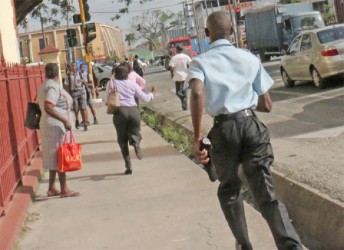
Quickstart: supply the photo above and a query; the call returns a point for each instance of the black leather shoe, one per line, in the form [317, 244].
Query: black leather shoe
[128, 171]
[77, 124]
[184, 104]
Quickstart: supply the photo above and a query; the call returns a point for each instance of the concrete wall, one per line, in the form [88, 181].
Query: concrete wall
[8, 32]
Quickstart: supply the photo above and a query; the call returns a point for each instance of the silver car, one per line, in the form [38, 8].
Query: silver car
[103, 73]
[314, 56]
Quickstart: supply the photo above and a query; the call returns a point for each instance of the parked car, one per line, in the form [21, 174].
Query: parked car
[314, 55]
[103, 73]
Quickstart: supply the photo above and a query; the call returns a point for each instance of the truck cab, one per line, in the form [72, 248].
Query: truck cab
[292, 25]
[270, 29]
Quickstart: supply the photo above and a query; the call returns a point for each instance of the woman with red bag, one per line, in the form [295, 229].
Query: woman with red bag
[56, 120]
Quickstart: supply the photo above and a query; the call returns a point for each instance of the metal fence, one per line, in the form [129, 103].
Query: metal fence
[18, 86]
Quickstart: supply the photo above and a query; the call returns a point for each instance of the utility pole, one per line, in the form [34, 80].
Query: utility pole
[197, 27]
[230, 6]
[70, 49]
[206, 8]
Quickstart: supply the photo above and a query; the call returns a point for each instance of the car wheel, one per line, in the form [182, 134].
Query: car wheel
[103, 83]
[318, 81]
[287, 81]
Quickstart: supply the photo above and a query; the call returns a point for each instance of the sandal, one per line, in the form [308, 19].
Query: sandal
[51, 193]
[69, 194]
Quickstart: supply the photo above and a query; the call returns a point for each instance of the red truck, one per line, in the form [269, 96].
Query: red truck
[185, 42]
[190, 45]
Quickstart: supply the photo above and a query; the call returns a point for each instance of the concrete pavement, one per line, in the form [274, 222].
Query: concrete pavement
[168, 202]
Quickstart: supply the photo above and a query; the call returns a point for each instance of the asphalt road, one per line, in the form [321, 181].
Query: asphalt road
[311, 109]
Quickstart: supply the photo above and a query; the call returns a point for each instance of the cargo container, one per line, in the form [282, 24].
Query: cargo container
[270, 29]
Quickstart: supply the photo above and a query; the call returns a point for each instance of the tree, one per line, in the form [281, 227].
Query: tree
[45, 15]
[22, 10]
[130, 38]
[65, 8]
[151, 24]
[126, 9]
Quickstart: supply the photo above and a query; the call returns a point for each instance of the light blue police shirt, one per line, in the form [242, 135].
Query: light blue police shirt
[233, 78]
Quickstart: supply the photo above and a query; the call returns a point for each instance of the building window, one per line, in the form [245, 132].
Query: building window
[21, 48]
[41, 43]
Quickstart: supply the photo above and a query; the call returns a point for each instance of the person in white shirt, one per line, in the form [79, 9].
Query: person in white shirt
[178, 67]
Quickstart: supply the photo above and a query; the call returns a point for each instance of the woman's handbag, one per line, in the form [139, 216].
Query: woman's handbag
[69, 155]
[113, 101]
[33, 115]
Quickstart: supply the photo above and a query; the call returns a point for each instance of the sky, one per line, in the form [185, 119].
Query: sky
[102, 11]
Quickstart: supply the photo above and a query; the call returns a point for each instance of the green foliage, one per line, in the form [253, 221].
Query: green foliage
[176, 136]
[44, 14]
[126, 9]
[154, 23]
[64, 8]
[113, 58]
[130, 38]
[328, 16]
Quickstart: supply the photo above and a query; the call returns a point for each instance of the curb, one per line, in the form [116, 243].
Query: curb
[318, 218]
[16, 212]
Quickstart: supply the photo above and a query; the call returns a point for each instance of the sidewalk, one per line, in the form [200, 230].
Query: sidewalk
[168, 202]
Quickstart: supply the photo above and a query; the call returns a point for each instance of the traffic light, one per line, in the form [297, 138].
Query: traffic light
[71, 37]
[86, 10]
[237, 14]
[90, 29]
[76, 18]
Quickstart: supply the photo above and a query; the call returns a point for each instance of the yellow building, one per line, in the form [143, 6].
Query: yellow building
[108, 42]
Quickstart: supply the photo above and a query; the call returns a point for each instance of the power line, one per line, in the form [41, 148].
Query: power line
[130, 11]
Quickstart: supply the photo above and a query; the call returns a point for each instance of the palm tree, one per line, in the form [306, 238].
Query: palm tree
[130, 38]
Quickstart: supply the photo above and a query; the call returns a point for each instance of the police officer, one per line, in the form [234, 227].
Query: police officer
[233, 85]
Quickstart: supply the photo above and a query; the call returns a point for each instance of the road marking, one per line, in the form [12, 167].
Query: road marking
[308, 99]
[324, 133]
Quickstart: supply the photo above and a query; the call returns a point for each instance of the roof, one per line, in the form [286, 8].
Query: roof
[49, 49]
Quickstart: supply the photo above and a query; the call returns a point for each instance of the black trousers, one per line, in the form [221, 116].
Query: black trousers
[180, 91]
[127, 122]
[243, 139]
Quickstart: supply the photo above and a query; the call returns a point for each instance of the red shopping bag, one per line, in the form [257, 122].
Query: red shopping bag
[69, 155]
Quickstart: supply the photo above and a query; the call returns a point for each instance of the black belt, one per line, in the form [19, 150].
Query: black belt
[237, 115]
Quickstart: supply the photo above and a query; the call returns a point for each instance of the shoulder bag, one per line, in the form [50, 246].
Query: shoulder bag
[113, 101]
[33, 115]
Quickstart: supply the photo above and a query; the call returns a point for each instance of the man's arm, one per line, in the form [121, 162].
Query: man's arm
[196, 107]
[264, 103]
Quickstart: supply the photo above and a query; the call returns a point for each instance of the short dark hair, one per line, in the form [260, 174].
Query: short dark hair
[126, 64]
[51, 70]
[121, 72]
[179, 48]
